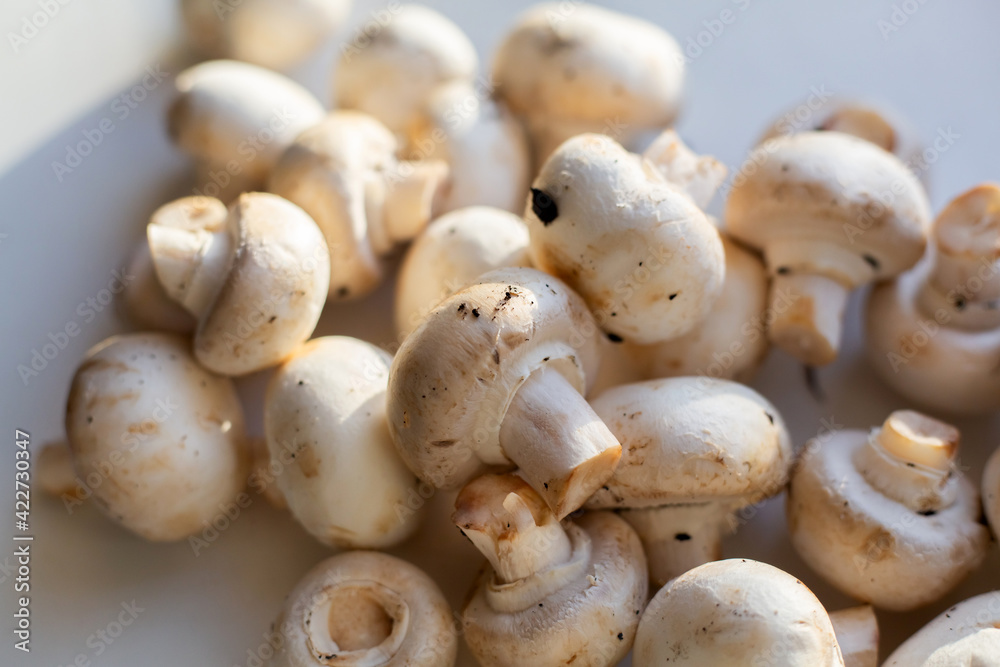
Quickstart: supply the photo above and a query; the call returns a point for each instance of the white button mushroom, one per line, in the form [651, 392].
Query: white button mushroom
[494, 376]
[857, 634]
[967, 634]
[831, 212]
[694, 452]
[158, 439]
[256, 277]
[451, 253]
[933, 334]
[269, 33]
[736, 612]
[991, 492]
[324, 417]
[573, 68]
[144, 302]
[886, 517]
[365, 609]
[638, 249]
[344, 173]
[556, 593]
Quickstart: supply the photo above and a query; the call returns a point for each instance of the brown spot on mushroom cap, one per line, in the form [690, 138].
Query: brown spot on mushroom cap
[307, 460]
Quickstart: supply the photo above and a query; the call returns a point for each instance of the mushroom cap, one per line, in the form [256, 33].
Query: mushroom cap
[451, 253]
[967, 249]
[592, 619]
[736, 612]
[144, 301]
[966, 634]
[454, 377]
[158, 439]
[690, 440]
[366, 608]
[638, 250]
[270, 33]
[871, 546]
[815, 202]
[394, 73]
[991, 492]
[324, 417]
[232, 113]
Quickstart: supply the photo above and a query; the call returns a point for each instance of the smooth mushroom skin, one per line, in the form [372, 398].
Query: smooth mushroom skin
[991, 492]
[966, 634]
[256, 278]
[874, 513]
[324, 417]
[237, 118]
[572, 69]
[736, 612]
[813, 204]
[557, 593]
[495, 376]
[695, 450]
[638, 249]
[145, 303]
[857, 635]
[395, 73]
[344, 173]
[159, 439]
[451, 253]
[364, 608]
[933, 334]
[271, 33]
[484, 145]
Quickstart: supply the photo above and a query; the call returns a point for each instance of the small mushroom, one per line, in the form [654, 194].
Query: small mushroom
[967, 634]
[344, 173]
[736, 612]
[395, 72]
[255, 277]
[361, 609]
[991, 492]
[857, 634]
[494, 377]
[451, 253]
[324, 417]
[569, 69]
[830, 212]
[270, 33]
[695, 451]
[874, 513]
[144, 302]
[638, 249]
[158, 439]
[933, 334]
[555, 593]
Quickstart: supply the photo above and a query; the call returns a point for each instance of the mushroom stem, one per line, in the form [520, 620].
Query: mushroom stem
[857, 634]
[677, 538]
[360, 622]
[563, 449]
[866, 124]
[808, 316]
[411, 195]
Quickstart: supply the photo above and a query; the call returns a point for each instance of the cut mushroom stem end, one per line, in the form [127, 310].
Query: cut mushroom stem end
[413, 197]
[678, 538]
[808, 316]
[857, 634]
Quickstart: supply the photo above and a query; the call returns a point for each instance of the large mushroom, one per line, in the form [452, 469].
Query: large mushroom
[965, 634]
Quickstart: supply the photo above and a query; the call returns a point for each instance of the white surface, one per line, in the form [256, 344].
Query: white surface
[64, 239]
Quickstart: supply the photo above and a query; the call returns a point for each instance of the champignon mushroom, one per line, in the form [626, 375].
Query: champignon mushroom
[875, 513]
[494, 376]
[344, 173]
[694, 452]
[451, 253]
[991, 492]
[237, 119]
[324, 417]
[158, 439]
[395, 72]
[933, 334]
[555, 593]
[145, 303]
[569, 69]
[857, 634]
[363, 608]
[255, 277]
[830, 212]
[270, 33]
[736, 612]
[966, 634]
[638, 249]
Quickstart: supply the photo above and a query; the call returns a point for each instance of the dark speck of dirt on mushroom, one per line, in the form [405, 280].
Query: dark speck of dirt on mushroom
[475, 312]
[770, 417]
[673, 296]
[682, 537]
[621, 637]
[342, 292]
[544, 206]
[615, 338]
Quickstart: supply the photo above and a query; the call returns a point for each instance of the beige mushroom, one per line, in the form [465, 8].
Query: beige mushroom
[933, 334]
[361, 609]
[158, 439]
[991, 492]
[555, 593]
[494, 377]
[255, 277]
[830, 212]
[144, 302]
[886, 517]
[694, 452]
[966, 634]
[344, 173]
